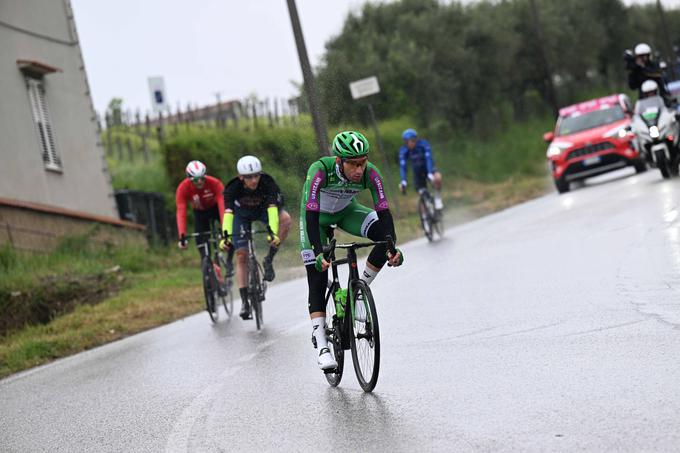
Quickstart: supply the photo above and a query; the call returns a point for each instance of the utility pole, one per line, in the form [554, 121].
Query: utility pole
[308, 76]
[667, 40]
[386, 168]
[547, 73]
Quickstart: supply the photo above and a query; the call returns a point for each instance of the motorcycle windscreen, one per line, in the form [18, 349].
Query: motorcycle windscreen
[649, 109]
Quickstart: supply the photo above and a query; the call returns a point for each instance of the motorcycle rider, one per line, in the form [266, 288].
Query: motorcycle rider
[641, 67]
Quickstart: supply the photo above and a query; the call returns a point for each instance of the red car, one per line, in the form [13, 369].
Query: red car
[592, 138]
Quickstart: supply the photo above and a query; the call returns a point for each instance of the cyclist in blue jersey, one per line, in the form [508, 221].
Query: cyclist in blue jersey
[419, 153]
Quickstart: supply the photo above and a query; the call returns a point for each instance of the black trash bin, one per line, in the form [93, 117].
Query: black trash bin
[147, 208]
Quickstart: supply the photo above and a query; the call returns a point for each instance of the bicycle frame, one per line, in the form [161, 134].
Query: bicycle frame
[351, 260]
[257, 286]
[212, 278]
[425, 195]
[248, 236]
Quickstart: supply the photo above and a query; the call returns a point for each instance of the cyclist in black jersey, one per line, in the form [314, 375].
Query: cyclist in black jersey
[252, 195]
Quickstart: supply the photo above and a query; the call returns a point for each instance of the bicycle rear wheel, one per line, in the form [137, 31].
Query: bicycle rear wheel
[364, 336]
[425, 218]
[209, 288]
[333, 332]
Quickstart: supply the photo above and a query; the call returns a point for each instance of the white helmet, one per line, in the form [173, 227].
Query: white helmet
[248, 165]
[648, 86]
[642, 49]
[196, 169]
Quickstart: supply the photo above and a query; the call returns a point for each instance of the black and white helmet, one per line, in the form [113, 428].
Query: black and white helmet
[249, 165]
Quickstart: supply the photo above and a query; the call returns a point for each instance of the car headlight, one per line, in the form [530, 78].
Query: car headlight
[555, 149]
[617, 131]
[654, 132]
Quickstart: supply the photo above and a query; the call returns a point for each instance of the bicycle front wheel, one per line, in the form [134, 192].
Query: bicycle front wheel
[439, 224]
[364, 336]
[209, 288]
[228, 299]
[255, 291]
[226, 287]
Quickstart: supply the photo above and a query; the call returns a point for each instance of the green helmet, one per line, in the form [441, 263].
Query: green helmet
[350, 144]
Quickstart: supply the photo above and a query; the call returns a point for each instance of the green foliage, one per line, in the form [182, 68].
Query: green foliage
[285, 152]
[8, 257]
[77, 255]
[482, 63]
[115, 110]
[517, 151]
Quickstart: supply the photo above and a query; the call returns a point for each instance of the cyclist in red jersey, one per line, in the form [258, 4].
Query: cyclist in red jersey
[204, 193]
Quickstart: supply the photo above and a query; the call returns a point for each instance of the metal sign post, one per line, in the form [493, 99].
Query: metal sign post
[361, 89]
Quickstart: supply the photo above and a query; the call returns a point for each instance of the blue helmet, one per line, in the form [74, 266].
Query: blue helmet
[409, 134]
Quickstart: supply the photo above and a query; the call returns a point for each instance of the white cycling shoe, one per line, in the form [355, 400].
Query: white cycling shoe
[438, 204]
[326, 360]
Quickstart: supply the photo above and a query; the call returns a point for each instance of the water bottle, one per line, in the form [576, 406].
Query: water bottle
[340, 300]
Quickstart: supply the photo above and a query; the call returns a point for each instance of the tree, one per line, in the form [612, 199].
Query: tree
[115, 111]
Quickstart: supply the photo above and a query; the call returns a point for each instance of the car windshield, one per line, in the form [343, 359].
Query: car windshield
[581, 122]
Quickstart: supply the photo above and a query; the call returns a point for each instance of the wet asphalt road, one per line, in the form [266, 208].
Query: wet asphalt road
[551, 326]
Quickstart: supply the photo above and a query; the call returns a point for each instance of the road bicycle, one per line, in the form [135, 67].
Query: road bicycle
[430, 219]
[217, 285]
[352, 319]
[257, 286]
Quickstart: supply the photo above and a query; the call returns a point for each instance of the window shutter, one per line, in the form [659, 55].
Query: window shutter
[43, 122]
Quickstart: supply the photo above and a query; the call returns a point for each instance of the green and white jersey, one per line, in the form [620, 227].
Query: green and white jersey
[326, 190]
[331, 195]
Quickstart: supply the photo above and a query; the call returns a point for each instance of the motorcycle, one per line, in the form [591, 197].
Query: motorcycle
[657, 135]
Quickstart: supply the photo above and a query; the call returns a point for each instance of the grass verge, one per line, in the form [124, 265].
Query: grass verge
[153, 299]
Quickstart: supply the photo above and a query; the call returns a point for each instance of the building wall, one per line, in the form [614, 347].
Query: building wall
[47, 34]
[29, 229]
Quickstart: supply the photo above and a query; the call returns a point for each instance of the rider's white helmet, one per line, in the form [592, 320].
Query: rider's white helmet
[648, 86]
[642, 49]
[248, 165]
[196, 169]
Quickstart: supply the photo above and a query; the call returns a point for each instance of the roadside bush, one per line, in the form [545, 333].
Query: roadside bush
[8, 257]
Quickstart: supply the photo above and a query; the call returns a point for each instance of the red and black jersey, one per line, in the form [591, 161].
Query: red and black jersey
[200, 199]
[266, 194]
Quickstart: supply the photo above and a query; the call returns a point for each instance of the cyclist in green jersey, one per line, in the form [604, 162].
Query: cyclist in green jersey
[328, 198]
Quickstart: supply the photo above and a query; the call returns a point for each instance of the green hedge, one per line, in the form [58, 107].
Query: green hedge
[285, 152]
[514, 151]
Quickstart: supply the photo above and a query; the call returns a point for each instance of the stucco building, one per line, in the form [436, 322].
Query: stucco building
[50, 152]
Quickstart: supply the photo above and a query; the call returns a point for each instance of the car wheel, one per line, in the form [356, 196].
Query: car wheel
[562, 185]
[640, 165]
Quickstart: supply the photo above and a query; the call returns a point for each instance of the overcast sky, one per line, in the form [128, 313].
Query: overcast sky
[234, 47]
